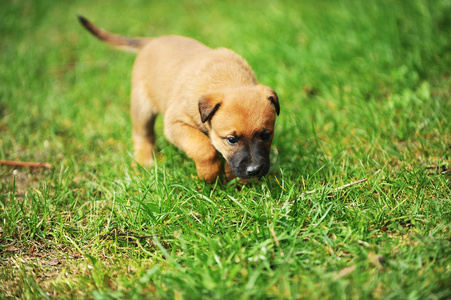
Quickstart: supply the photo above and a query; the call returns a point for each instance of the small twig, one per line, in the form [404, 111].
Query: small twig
[352, 183]
[335, 189]
[338, 188]
[273, 233]
[349, 184]
[25, 164]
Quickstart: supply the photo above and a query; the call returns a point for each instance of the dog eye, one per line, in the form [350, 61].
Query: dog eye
[265, 136]
[232, 140]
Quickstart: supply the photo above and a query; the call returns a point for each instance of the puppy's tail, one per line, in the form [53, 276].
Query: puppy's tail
[118, 41]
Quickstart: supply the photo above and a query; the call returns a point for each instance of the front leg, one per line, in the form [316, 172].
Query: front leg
[196, 145]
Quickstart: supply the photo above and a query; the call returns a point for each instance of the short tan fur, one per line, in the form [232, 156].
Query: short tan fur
[210, 99]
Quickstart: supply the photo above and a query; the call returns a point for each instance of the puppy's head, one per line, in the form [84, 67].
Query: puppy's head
[242, 126]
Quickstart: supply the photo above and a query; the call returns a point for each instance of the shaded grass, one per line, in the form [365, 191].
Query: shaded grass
[364, 90]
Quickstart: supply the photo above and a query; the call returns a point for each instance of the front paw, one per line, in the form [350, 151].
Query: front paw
[208, 170]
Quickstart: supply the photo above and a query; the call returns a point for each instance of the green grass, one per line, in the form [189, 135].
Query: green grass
[365, 92]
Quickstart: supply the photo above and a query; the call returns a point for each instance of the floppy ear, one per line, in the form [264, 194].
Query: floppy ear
[275, 101]
[208, 105]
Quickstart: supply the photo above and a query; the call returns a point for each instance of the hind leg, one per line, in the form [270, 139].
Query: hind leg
[143, 119]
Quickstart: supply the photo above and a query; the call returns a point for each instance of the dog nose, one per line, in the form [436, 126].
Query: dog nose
[253, 170]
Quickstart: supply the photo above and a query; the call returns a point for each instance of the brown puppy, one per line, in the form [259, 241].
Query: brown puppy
[210, 99]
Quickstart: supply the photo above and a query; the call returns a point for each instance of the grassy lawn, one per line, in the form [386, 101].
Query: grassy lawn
[365, 93]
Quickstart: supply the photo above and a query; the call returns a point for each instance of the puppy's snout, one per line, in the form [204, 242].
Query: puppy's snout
[253, 170]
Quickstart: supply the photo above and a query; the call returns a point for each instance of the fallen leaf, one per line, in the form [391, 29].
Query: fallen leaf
[345, 271]
[11, 248]
[53, 262]
[75, 255]
[32, 249]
